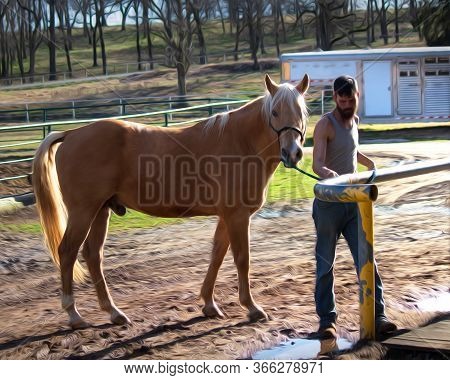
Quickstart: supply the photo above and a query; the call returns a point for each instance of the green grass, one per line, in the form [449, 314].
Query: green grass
[289, 185]
[30, 227]
[133, 220]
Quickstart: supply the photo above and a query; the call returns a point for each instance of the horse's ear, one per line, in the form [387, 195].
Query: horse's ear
[271, 86]
[303, 86]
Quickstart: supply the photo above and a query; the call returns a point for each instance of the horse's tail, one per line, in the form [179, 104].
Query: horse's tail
[51, 208]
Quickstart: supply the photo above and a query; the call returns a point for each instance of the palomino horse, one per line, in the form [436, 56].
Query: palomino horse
[220, 166]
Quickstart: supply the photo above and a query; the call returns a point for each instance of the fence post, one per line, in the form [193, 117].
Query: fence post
[166, 121]
[322, 97]
[73, 110]
[27, 113]
[366, 270]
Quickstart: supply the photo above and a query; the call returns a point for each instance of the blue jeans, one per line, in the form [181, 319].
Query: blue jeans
[331, 220]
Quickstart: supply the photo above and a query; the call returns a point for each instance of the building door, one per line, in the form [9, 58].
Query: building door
[377, 88]
[409, 96]
[437, 86]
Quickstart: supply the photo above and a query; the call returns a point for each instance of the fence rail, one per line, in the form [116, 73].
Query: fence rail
[361, 188]
[65, 110]
[162, 118]
[319, 101]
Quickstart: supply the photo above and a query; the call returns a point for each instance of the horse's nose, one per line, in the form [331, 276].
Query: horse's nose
[285, 157]
[290, 159]
[298, 155]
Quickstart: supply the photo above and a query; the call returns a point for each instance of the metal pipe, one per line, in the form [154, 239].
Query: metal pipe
[387, 174]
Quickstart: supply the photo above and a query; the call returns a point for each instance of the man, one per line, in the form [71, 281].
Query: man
[336, 153]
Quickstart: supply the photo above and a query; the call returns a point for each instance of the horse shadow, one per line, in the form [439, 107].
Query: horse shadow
[35, 338]
[145, 350]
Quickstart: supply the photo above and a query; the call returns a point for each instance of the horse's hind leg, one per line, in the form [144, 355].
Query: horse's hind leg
[93, 255]
[220, 248]
[76, 231]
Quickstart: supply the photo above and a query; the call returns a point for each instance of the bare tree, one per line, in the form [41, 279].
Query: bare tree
[383, 21]
[176, 19]
[15, 21]
[136, 6]
[99, 17]
[222, 19]
[124, 8]
[52, 39]
[34, 9]
[62, 9]
[196, 7]
[4, 72]
[148, 30]
[251, 14]
[277, 14]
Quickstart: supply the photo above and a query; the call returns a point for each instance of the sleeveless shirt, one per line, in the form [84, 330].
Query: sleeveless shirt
[341, 155]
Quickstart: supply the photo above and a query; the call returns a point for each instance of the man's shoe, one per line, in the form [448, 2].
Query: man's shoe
[327, 331]
[384, 326]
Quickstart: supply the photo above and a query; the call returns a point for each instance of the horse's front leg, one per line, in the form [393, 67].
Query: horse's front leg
[238, 228]
[220, 247]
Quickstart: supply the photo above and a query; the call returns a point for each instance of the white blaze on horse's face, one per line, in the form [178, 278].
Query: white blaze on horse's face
[288, 118]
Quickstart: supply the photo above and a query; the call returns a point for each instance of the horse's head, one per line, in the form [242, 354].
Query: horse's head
[286, 113]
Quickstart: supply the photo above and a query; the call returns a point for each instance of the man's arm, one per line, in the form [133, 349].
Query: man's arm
[366, 161]
[321, 135]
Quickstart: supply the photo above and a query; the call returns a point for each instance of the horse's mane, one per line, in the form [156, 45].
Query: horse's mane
[286, 93]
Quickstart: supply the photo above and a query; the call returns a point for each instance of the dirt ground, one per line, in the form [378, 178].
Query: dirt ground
[155, 277]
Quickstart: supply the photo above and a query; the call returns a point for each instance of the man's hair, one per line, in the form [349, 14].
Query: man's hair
[345, 85]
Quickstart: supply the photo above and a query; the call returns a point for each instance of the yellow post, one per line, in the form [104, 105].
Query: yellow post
[366, 271]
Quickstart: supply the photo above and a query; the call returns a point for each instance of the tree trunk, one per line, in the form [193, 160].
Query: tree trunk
[181, 73]
[219, 7]
[259, 26]
[124, 11]
[275, 25]
[100, 13]
[383, 23]
[94, 46]
[283, 26]
[66, 40]
[138, 35]
[397, 33]
[52, 41]
[148, 30]
[68, 25]
[236, 41]
[201, 38]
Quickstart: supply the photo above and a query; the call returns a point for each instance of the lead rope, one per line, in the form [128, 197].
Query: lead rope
[370, 180]
[306, 173]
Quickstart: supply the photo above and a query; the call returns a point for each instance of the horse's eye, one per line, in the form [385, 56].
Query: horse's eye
[274, 113]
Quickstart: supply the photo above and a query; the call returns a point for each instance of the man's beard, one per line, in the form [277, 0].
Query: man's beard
[346, 114]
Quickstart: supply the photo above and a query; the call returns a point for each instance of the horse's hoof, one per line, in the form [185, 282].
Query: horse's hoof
[78, 324]
[119, 318]
[212, 311]
[258, 315]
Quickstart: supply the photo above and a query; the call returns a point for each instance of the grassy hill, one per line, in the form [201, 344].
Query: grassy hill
[218, 77]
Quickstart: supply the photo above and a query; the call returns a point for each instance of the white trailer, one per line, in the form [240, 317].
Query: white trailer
[395, 84]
